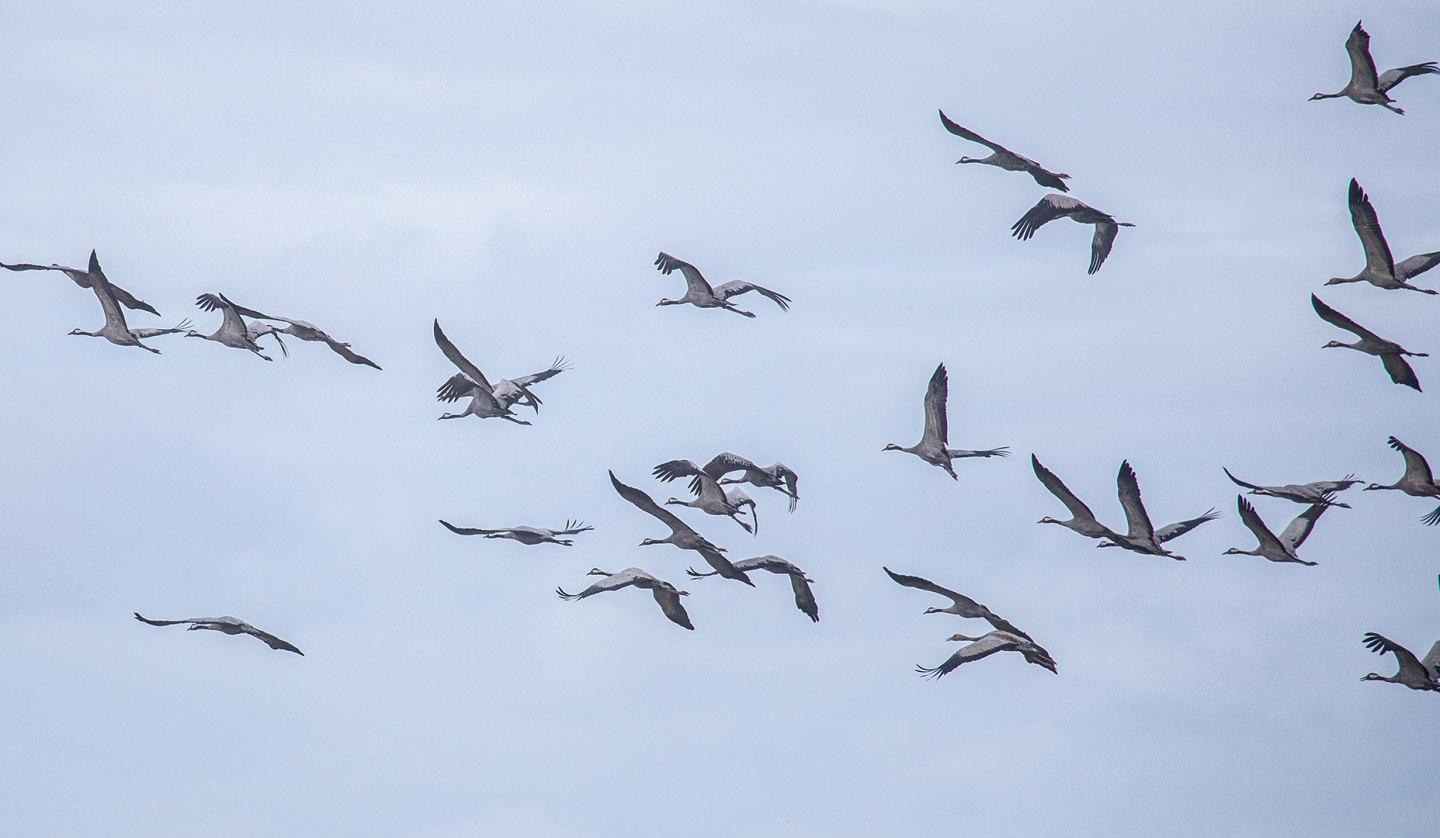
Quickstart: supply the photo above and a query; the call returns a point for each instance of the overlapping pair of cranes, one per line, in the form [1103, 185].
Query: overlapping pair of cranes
[1366, 86]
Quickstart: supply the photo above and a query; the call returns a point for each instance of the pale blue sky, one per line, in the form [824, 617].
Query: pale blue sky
[514, 171]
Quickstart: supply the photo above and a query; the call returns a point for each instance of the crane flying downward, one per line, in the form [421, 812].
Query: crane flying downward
[1003, 158]
[932, 445]
[1365, 86]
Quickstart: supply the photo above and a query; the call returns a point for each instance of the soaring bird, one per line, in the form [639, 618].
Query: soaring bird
[681, 535]
[1417, 481]
[931, 447]
[82, 278]
[1282, 548]
[298, 329]
[234, 332]
[1365, 86]
[666, 595]
[1054, 206]
[1391, 354]
[1004, 158]
[1316, 492]
[709, 496]
[526, 535]
[699, 293]
[1414, 673]
[483, 402]
[799, 582]
[960, 605]
[986, 645]
[115, 329]
[226, 625]
[1380, 268]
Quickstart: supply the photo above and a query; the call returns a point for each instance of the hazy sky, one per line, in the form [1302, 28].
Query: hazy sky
[513, 172]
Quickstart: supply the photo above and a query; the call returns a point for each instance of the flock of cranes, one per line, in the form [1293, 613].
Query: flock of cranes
[244, 328]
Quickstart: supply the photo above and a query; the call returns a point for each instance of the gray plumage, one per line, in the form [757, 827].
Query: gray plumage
[226, 625]
[666, 595]
[933, 441]
[777, 476]
[298, 329]
[1003, 158]
[1417, 481]
[115, 330]
[1319, 491]
[507, 391]
[799, 582]
[1081, 520]
[1391, 354]
[526, 535]
[1055, 206]
[483, 402]
[986, 645]
[681, 535]
[1281, 548]
[698, 292]
[960, 605]
[1365, 86]
[1380, 269]
[710, 498]
[82, 279]
[1140, 537]
[234, 332]
[1414, 673]
[1170, 532]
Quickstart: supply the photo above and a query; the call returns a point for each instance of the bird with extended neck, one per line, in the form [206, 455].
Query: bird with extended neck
[1365, 85]
[1417, 481]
